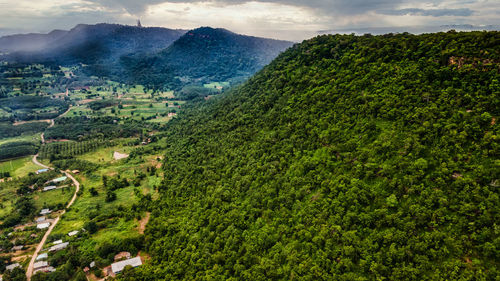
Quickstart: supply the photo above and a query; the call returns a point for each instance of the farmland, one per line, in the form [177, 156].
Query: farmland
[86, 123]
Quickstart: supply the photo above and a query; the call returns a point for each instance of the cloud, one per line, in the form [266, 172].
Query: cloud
[286, 19]
[350, 7]
[463, 12]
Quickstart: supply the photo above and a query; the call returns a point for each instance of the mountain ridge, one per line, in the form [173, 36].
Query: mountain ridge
[346, 158]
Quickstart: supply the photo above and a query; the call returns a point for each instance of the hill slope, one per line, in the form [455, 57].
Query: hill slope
[347, 158]
[205, 55]
[89, 44]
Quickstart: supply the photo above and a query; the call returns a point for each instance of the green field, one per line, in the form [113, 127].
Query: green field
[88, 205]
[18, 167]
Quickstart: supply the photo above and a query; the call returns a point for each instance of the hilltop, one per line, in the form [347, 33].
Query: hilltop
[158, 57]
[348, 157]
[204, 55]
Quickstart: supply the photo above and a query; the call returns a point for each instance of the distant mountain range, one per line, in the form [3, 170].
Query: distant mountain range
[159, 57]
[87, 43]
[411, 29]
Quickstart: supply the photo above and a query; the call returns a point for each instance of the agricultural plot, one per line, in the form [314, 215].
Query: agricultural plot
[18, 167]
[109, 220]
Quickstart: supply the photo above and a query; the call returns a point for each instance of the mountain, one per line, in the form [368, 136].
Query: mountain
[29, 42]
[205, 55]
[347, 158]
[89, 44]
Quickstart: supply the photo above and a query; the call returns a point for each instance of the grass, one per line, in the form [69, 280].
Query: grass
[86, 204]
[105, 154]
[53, 197]
[19, 167]
[216, 84]
[35, 137]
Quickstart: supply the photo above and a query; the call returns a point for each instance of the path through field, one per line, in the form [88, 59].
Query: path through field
[29, 270]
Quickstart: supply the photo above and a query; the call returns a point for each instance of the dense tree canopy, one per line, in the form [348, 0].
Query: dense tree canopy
[347, 158]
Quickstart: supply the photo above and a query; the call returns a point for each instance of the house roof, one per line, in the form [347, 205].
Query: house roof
[40, 264]
[57, 242]
[59, 247]
[117, 267]
[42, 256]
[40, 219]
[43, 225]
[45, 269]
[45, 211]
[50, 187]
[12, 266]
[63, 178]
[73, 233]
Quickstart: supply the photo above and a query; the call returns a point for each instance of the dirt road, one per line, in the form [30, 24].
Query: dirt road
[29, 270]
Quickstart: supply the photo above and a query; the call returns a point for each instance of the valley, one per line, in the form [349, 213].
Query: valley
[209, 155]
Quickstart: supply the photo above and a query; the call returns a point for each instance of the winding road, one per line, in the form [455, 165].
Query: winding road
[29, 270]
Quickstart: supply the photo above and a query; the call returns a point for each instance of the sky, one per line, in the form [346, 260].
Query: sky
[283, 19]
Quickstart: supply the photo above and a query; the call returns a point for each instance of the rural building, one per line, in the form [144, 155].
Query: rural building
[122, 256]
[73, 233]
[118, 267]
[60, 179]
[45, 212]
[40, 219]
[12, 266]
[17, 248]
[92, 264]
[42, 257]
[75, 172]
[46, 269]
[58, 247]
[43, 225]
[41, 171]
[50, 187]
[57, 242]
[40, 264]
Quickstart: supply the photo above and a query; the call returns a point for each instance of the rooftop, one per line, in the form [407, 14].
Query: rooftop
[43, 225]
[45, 211]
[60, 179]
[12, 266]
[117, 267]
[42, 256]
[58, 247]
[40, 264]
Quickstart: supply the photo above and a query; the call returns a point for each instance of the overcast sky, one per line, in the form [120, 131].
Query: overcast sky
[285, 19]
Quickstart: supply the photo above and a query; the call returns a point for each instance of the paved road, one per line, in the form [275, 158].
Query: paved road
[29, 270]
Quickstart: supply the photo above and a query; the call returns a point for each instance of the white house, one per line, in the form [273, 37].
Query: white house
[73, 233]
[118, 267]
[45, 212]
[40, 219]
[40, 264]
[43, 256]
[58, 247]
[12, 266]
[43, 225]
[50, 187]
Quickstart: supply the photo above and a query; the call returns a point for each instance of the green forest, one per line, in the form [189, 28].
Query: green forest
[347, 158]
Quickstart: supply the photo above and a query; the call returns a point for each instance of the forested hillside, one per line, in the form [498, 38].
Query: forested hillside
[203, 55]
[347, 158]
